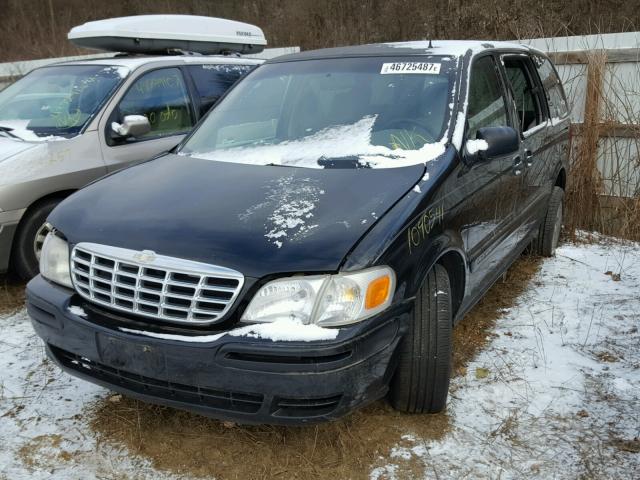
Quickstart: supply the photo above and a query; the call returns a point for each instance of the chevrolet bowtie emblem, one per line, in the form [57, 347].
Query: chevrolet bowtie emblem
[145, 256]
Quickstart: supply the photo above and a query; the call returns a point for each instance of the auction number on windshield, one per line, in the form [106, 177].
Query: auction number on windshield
[410, 67]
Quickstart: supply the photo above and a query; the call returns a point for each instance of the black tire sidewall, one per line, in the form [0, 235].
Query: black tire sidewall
[421, 380]
[547, 228]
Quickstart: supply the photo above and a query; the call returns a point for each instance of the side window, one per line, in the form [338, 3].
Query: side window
[525, 92]
[161, 96]
[487, 107]
[556, 99]
[212, 81]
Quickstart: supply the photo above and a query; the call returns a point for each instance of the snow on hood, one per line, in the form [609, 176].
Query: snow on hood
[19, 129]
[341, 141]
[292, 202]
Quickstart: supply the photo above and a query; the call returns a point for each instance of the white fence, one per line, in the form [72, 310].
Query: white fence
[601, 74]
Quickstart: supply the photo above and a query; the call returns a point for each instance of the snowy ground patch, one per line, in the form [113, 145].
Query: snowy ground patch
[557, 393]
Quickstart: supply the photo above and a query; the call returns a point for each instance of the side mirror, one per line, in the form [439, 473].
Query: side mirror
[131, 126]
[491, 142]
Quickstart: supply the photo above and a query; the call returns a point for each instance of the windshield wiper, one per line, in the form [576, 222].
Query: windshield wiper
[8, 130]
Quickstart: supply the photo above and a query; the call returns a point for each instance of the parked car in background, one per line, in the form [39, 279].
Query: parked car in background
[65, 125]
[311, 245]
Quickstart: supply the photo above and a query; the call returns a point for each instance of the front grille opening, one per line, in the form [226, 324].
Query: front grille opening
[222, 282]
[306, 407]
[287, 359]
[102, 286]
[124, 303]
[175, 313]
[126, 280]
[125, 267]
[101, 296]
[127, 292]
[105, 262]
[83, 255]
[184, 278]
[204, 316]
[82, 267]
[178, 302]
[214, 307]
[148, 308]
[102, 274]
[154, 273]
[219, 399]
[151, 285]
[149, 297]
[208, 294]
[181, 290]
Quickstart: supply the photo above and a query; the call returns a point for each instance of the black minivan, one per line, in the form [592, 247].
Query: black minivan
[310, 246]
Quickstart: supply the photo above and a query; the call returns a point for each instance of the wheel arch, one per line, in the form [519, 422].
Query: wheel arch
[561, 179]
[60, 195]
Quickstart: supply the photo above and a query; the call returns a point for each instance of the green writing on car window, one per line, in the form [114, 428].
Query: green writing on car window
[152, 84]
[420, 230]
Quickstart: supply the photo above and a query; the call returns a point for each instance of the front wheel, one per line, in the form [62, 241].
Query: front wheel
[28, 242]
[421, 381]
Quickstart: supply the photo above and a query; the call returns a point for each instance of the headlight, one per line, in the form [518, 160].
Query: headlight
[54, 260]
[326, 300]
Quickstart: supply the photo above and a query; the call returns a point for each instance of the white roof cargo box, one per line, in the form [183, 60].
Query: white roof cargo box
[158, 34]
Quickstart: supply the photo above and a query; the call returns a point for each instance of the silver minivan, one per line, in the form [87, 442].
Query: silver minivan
[65, 125]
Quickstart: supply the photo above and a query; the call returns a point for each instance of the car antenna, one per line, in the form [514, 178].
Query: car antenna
[430, 44]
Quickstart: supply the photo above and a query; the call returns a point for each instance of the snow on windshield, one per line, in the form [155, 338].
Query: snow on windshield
[341, 141]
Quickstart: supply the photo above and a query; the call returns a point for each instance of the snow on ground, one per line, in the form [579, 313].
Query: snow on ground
[554, 395]
[557, 392]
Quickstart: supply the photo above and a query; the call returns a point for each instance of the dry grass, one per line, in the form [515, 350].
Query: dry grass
[185, 443]
[11, 295]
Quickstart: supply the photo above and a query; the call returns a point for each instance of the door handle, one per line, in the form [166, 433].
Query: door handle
[517, 166]
[528, 155]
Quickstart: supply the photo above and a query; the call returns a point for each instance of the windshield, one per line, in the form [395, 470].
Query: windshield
[56, 102]
[376, 112]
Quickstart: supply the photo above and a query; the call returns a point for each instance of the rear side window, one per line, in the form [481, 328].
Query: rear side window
[553, 88]
[212, 81]
[525, 91]
[487, 107]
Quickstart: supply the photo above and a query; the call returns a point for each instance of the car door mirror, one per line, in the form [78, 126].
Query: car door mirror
[131, 126]
[491, 142]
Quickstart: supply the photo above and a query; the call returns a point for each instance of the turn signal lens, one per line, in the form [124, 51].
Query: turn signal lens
[377, 292]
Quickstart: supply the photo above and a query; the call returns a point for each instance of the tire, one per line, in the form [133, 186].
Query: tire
[421, 381]
[24, 257]
[551, 225]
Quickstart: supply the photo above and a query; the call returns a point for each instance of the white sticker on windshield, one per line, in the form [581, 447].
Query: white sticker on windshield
[410, 67]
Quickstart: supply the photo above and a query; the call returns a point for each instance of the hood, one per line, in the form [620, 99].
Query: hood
[10, 147]
[259, 220]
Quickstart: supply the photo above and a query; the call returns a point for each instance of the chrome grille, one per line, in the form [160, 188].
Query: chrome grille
[155, 286]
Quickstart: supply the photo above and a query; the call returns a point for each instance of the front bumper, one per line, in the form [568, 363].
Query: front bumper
[242, 379]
